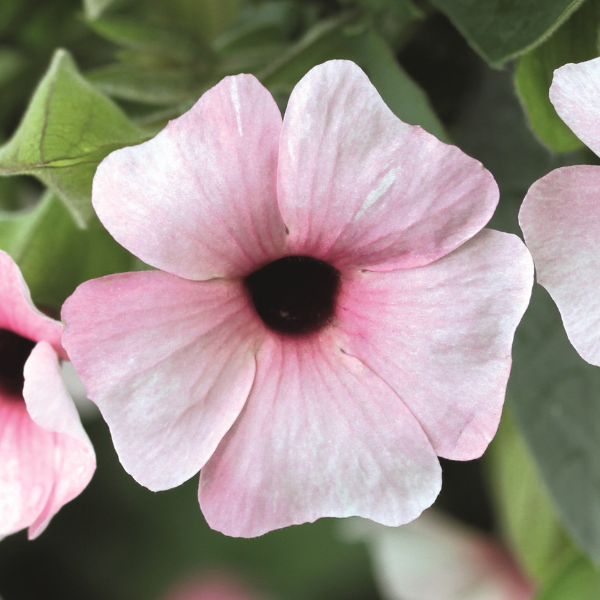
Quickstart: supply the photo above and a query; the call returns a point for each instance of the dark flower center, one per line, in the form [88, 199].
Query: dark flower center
[294, 295]
[14, 351]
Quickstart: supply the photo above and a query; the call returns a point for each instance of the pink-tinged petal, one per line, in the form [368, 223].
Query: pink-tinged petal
[199, 199]
[436, 558]
[217, 588]
[560, 219]
[70, 458]
[320, 436]
[574, 92]
[358, 187]
[168, 361]
[26, 467]
[441, 336]
[17, 312]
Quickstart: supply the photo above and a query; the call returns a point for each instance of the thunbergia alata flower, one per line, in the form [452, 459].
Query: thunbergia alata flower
[560, 216]
[46, 458]
[328, 318]
[437, 558]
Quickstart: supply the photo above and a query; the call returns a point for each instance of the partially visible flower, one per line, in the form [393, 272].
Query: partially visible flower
[560, 216]
[46, 458]
[330, 316]
[215, 588]
[437, 558]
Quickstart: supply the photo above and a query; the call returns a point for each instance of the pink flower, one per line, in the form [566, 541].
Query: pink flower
[560, 215]
[329, 316]
[46, 458]
[216, 588]
[437, 558]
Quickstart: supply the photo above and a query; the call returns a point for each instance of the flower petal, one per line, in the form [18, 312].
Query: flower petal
[560, 218]
[441, 336]
[70, 458]
[17, 312]
[358, 187]
[436, 558]
[168, 361]
[215, 588]
[321, 435]
[574, 92]
[26, 467]
[199, 199]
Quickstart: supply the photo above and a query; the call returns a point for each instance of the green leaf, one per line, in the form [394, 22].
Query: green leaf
[96, 8]
[148, 38]
[577, 579]
[69, 127]
[555, 397]
[148, 86]
[55, 255]
[503, 29]
[528, 519]
[266, 24]
[403, 8]
[257, 39]
[204, 18]
[349, 37]
[574, 42]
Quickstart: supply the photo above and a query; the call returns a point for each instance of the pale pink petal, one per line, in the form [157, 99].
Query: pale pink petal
[441, 336]
[320, 436]
[217, 588]
[574, 92]
[358, 187]
[70, 459]
[168, 361]
[17, 312]
[199, 199]
[436, 558]
[560, 218]
[26, 467]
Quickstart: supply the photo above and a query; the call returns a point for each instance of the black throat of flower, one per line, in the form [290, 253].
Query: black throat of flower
[295, 295]
[14, 352]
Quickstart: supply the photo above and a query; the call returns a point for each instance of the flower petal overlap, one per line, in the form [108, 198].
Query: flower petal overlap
[344, 418]
[46, 458]
[312, 440]
[200, 197]
[359, 188]
[178, 364]
[417, 329]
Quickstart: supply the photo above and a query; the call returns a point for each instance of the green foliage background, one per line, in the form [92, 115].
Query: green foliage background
[78, 81]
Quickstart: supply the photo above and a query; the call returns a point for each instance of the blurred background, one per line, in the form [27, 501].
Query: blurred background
[473, 75]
